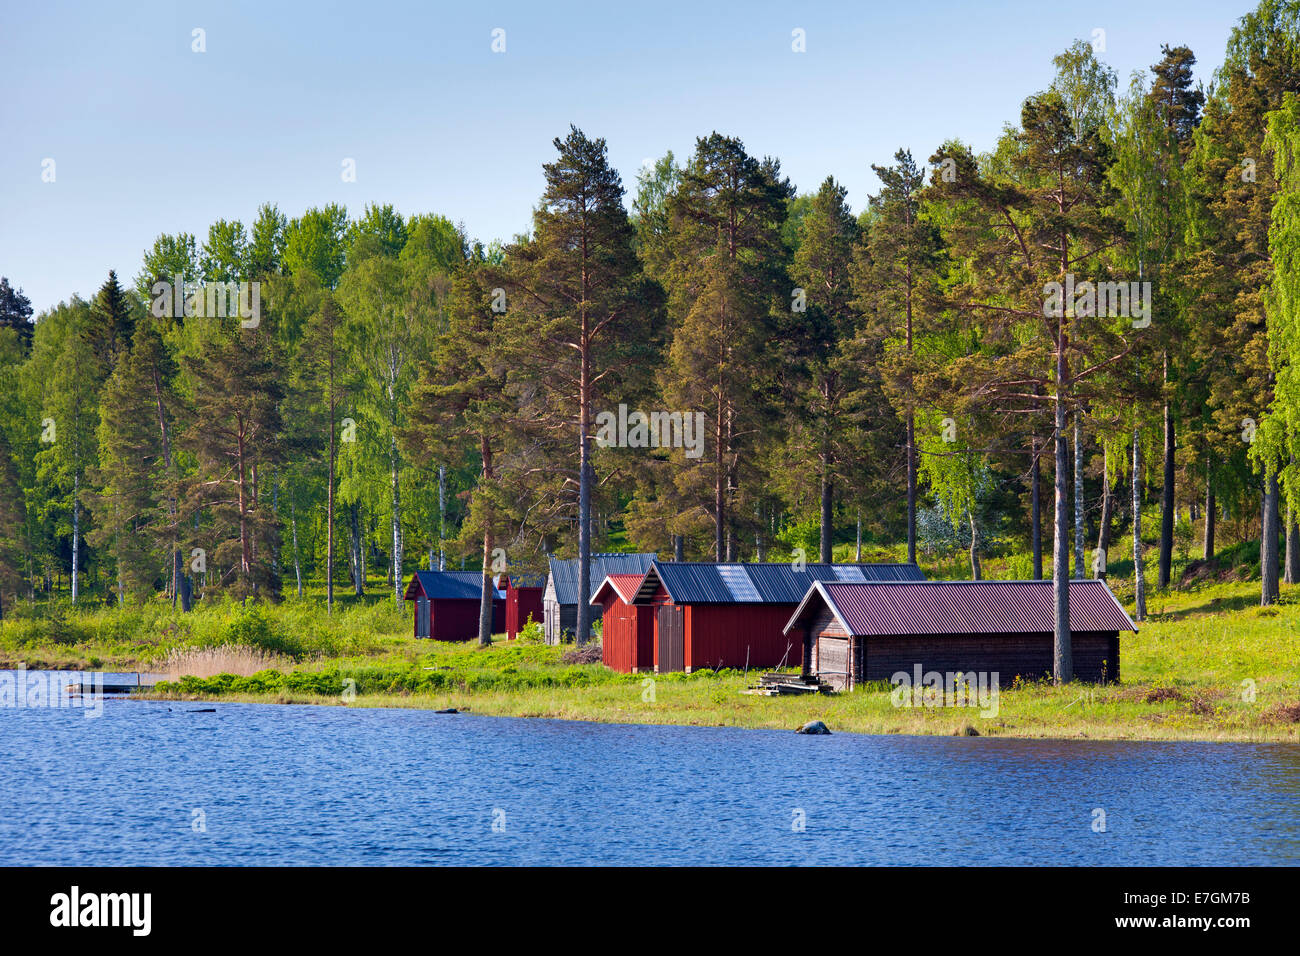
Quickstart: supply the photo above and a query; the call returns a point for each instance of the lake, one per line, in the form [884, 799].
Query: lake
[160, 783]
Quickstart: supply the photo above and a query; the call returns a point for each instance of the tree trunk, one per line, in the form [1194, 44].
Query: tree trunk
[857, 553]
[679, 548]
[1062, 651]
[1211, 508]
[1139, 573]
[975, 573]
[1107, 514]
[1268, 557]
[297, 564]
[1079, 532]
[583, 623]
[76, 532]
[911, 489]
[329, 506]
[828, 503]
[395, 465]
[442, 517]
[1167, 500]
[1036, 513]
[489, 588]
[358, 558]
[1292, 567]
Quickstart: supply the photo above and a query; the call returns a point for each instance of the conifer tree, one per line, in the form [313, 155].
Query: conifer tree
[237, 388]
[730, 300]
[897, 281]
[579, 317]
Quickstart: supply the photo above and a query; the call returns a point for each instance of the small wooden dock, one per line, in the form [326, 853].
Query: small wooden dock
[108, 687]
[776, 684]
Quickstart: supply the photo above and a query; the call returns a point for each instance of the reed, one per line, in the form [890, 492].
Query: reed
[240, 660]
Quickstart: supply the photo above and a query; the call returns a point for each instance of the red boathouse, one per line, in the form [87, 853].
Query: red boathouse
[523, 596]
[709, 614]
[627, 636]
[447, 605]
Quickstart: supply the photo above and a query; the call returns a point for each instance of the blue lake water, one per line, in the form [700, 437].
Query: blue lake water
[331, 785]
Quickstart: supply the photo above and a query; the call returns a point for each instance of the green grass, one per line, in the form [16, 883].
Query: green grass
[1209, 664]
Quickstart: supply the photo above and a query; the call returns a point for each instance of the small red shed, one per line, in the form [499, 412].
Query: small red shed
[523, 600]
[628, 633]
[710, 614]
[447, 604]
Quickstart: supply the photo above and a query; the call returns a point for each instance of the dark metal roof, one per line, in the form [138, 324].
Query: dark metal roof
[528, 580]
[564, 573]
[712, 582]
[449, 585]
[966, 607]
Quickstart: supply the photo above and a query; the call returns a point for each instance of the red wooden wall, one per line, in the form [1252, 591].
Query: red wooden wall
[731, 635]
[520, 602]
[627, 639]
[722, 635]
[457, 620]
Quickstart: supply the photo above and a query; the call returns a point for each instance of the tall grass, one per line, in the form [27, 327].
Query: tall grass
[226, 659]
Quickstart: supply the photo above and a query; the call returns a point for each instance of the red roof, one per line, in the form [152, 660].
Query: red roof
[966, 607]
[625, 586]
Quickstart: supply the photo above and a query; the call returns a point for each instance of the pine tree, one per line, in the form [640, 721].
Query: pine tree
[729, 299]
[1048, 217]
[111, 324]
[579, 318]
[1234, 188]
[12, 528]
[460, 405]
[15, 311]
[897, 281]
[234, 438]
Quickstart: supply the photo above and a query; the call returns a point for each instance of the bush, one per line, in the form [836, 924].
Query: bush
[532, 632]
[252, 628]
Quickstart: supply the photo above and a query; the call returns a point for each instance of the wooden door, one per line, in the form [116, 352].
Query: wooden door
[833, 661]
[422, 617]
[672, 638]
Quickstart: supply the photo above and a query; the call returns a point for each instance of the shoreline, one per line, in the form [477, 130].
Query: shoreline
[920, 722]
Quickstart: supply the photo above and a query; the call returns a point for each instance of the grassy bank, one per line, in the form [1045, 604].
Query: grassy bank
[1209, 665]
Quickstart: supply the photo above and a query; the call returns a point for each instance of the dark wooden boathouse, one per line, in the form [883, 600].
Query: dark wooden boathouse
[712, 614]
[447, 604]
[851, 633]
[627, 629]
[560, 602]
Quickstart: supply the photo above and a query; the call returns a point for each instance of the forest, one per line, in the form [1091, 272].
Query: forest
[1075, 348]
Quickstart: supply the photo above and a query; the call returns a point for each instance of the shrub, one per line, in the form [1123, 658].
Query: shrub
[252, 628]
[532, 632]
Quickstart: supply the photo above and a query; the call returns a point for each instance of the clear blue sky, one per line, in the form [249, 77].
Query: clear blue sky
[150, 137]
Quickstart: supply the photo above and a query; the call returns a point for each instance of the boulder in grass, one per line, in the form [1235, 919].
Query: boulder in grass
[813, 727]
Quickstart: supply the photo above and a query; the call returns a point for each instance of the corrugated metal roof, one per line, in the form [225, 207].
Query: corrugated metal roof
[528, 580]
[564, 573]
[624, 586]
[450, 585]
[970, 607]
[707, 582]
